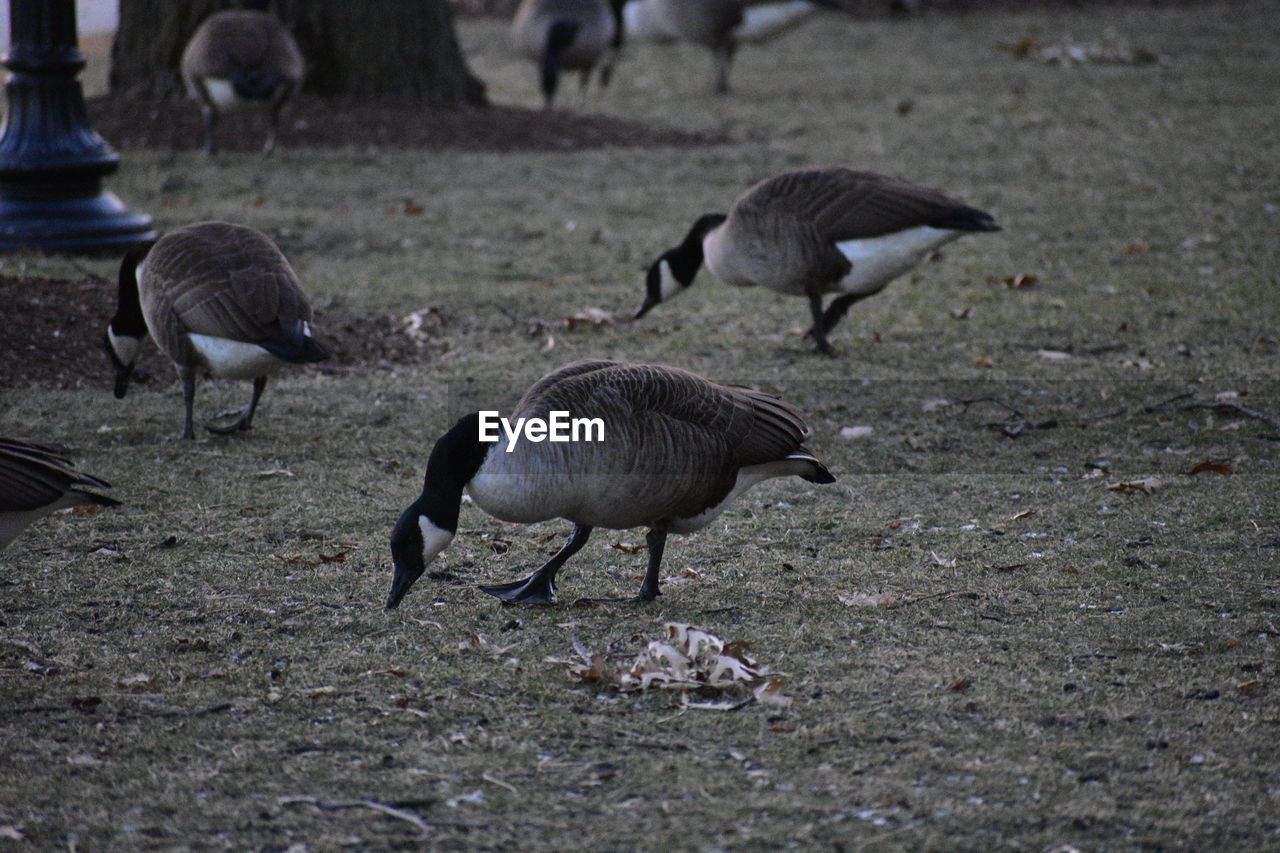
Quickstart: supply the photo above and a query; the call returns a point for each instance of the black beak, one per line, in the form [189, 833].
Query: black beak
[649, 302]
[407, 574]
[123, 372]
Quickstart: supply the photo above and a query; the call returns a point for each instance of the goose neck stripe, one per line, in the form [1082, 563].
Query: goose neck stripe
[558, 426]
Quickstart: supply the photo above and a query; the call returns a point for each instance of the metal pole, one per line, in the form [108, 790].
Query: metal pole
[51, 161]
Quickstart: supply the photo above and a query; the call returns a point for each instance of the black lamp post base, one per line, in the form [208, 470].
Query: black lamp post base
[98, 223]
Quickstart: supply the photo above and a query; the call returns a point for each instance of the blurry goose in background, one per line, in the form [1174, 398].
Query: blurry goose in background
[677, 449]
[243, 59]
[816, 231]
[216, 296]
[720, 25]
[37, 479]
[568, 35]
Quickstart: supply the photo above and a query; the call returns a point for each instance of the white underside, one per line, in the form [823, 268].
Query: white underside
[515, 487]
[761, 23]
[233, 359]
[878, 260]
[644, 23]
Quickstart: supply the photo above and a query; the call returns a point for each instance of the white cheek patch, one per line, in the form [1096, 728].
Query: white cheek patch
[668, 284]
[434, 539]
[126, 347]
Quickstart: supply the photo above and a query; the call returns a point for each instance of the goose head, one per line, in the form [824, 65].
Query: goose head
[128, 327]
[429, 524]
[676, 268]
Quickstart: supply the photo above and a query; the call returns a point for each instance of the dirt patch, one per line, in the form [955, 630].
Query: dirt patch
[131, 122]
[53, 337]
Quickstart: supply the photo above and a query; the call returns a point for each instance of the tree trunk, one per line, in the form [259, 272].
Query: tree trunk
[373, 49]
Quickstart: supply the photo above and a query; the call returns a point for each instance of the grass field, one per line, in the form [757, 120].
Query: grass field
[1015, 622]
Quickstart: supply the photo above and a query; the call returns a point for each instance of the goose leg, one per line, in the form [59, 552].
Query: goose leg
[819, 329]
[723, 56]
[838, 308]
[540, 587]
[246, 414]
[657, 541]
[187, 376]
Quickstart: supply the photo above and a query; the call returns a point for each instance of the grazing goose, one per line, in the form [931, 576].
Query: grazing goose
[816, 231]
[719, 25]
[217, 296]
[37, 479]
[242, 59]
[568, 34]
[677, 449]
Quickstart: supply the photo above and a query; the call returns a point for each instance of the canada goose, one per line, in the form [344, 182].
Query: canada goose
[816, 231]
[37, 479]
[242, 59]
[676, 450]
[719, 25]
[568, 34]
[217, 296]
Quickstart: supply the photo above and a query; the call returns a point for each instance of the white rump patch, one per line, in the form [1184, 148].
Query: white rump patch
[234, 359]
[878, 260]
[223, 94]
[434, 539]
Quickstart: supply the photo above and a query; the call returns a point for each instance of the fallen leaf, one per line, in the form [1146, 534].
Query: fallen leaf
[340, 557]
[984, 361]
[1071, 568]
[317, 692]
[1009, 568]
[855, 432]
[1223, 468]
[959, 684]
[1137, 248]
[1147, 486]
[1026, 513]
[589, 317]
[628, 547]
[411, 207]
[770, 693]
[1248, 686]
[93, 509]
[1053, 354]
[1021, 281]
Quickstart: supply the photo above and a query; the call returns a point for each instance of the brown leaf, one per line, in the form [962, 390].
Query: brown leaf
[959, 684]
[411, 207]
[1223, 468]
[1071, 568]
[94, 509]
[984, 361]
[1021, 281]
[1137, 248]
[1026, 513]
[1147, 486]
[1010, 568]
[1248, 686]
[628, 547]
[340, 557]
[296, 558]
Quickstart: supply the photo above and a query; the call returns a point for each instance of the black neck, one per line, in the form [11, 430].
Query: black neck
[455, 459]
[128, 319]
[686, 258]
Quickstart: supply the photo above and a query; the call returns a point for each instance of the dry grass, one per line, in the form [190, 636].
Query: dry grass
[1056, 663]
